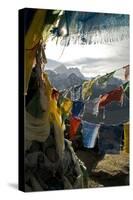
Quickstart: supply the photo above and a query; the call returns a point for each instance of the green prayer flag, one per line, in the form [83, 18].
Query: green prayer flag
[126, 88]
[106, 77]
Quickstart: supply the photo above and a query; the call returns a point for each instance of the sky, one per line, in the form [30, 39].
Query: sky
[92, 60]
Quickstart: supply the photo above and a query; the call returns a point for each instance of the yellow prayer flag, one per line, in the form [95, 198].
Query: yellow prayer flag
[32, 38]
[126, 137]
[39, 29]
[55, 117]
[66, 105]
[87, 88]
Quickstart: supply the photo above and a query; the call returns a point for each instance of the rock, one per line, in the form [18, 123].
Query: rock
[113, 170]
[45, 171]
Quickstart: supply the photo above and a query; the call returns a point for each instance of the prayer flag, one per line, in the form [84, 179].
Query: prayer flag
[110, 139]
[55, 94]
[76, 93]
[87, 88]
[105, 78]
[114, 95]
[126, 72]
[77, 108]
[126, 88]
[74, 125]
[66, 105]
[126, 137]
[92, 106]
[89, 134]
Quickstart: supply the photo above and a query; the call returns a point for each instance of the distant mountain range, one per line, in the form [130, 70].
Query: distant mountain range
[63, 70]
[63, 78]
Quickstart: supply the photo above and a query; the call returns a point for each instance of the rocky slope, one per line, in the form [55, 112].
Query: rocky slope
[106, 170]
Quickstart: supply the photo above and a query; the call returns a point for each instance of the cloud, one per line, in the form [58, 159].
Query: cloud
[92, 59]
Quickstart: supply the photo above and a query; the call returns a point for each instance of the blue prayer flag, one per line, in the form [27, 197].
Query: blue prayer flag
[110, 139]
[89, 134]
[77, 109]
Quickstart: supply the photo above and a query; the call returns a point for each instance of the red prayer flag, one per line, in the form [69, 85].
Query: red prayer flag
[55, 94]
[114, 95]
[74, 125]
